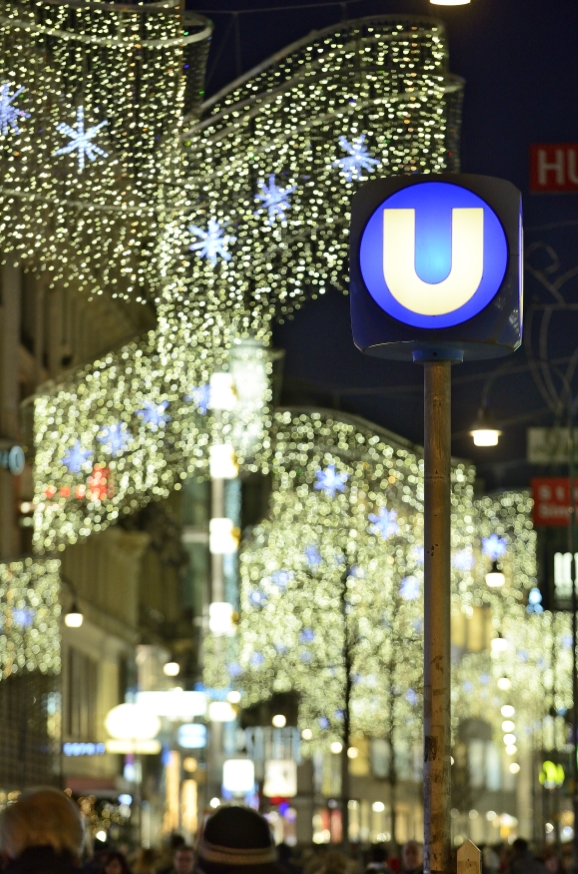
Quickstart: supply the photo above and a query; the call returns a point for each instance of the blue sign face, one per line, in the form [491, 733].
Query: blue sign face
[433, 255]
[192, 736]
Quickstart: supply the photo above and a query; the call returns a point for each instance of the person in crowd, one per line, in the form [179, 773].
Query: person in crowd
[522, 860]
[183, 860]
[42, 833]
[412, 858]
[115, 863]
[490, 861]
[552, 861]
[237, 840]
[145, 861]
[377, 862]
[334, 862]
[176, 840]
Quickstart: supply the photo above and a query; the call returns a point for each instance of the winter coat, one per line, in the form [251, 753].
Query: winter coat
[42, 860]
[526, 864]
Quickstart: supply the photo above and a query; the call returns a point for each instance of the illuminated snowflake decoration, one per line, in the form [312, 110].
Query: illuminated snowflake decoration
[274, 199]
[201, 396]
[212, 242]
[463, 560]
[384, 523]
[76, 458]
[115, 438]
[258, 598]
[534, 601]
[313, 556]
[411, 697]
[9, 114]
[23, 618]
[307, 635]
[281, 578]
[494, 547]
[357, 160]
[81, 139]
[410, 589]
[154, 415]
[329, 481]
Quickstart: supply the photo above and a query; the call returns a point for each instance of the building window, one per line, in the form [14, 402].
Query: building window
[81, 691]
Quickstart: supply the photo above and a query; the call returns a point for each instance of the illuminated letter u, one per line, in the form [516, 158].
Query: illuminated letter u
[463, 280]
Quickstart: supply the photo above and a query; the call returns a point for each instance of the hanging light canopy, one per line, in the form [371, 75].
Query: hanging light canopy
[484, 430]
[73, 618]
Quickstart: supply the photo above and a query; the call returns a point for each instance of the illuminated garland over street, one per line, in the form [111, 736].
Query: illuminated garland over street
[303, 114]
[91, 106]
[275, 159]
[120, 433]
[29, 617]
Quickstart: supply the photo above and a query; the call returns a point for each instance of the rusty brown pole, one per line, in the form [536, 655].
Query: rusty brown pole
[437, 521]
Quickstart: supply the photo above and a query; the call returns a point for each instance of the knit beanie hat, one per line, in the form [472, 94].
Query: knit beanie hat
[236, 837]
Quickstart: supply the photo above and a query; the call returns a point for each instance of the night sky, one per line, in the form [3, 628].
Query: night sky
[518, 58]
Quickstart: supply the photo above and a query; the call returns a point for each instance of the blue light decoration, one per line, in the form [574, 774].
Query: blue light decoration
[192, 736]
[433, 255]
[411, 697]
[154, 414]
[323, 722]
[23, 617]
[76, 458]
[307, 635]
[534, 601]
[115, 438]
[201, 396]
[281, 578]
[384, 523]
[410, 589]
[81, 139]
[463, 560]
[313, 556]
[10, 114]
[234, 670]
[357, 160]
[330, 482]
[258, 598]
[212, 242]
[79, 748]
[257, 659]
[494, 547]
[274, 199]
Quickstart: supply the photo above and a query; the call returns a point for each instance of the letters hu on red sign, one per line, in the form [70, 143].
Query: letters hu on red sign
[554, 167]
[551, 496]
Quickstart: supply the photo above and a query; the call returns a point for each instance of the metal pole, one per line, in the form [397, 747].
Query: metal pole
[437, 520]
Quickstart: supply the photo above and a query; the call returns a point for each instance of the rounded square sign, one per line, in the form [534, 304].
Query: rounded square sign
[435, 267]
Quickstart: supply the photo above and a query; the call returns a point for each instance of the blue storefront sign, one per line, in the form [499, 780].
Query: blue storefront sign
[435, 267]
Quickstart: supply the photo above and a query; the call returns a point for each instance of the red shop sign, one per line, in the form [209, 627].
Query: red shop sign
[551, 496]
[554, 167]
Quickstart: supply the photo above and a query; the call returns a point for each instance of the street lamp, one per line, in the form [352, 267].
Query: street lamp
[73, 618]
[495, 578]
[484, 430]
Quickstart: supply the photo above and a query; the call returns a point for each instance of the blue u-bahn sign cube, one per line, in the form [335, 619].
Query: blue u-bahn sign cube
[436, 267]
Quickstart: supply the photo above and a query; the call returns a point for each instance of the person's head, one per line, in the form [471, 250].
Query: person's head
[43, 817]
[237, 840]
[335, 862]
[412, 856]
[184, 859]
[520, 847]
[115, 863]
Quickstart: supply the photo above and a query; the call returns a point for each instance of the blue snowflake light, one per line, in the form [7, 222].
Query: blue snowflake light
[201, 396]
[313, 556]
[419, 554]
[307, 635]
[9, 114]
[410, 589]
[235, 670]
[534, 601]
[357, 160]
[212, 242]
[281, 578]
[23, 617]
[463, 560]
[384, 523]
[323, 722]
[257, 659]
[81, 139]
[154, 415]
[494, 547]
[411, 697]
[258, 598]
[76, 458]
[115, 438]
[274, 199]
[330, 482]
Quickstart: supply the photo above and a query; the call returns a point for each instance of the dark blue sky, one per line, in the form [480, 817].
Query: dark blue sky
[518, 58]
